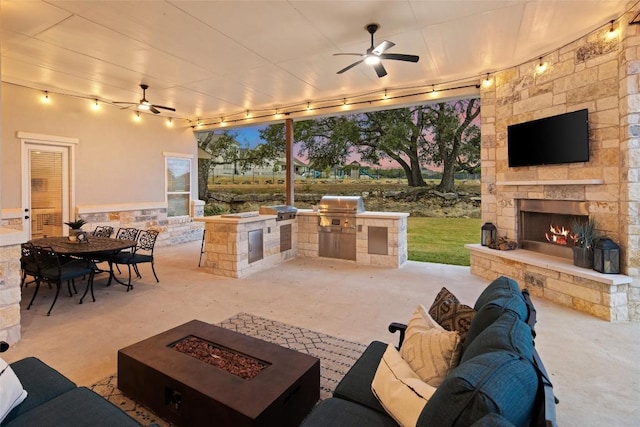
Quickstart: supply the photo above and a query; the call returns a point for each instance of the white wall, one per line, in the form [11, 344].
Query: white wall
[117, 160]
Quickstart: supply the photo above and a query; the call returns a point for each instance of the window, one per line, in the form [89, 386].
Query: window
[178, 186]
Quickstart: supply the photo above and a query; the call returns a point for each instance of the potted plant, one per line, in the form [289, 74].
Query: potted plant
[584, 236]
[76, 228]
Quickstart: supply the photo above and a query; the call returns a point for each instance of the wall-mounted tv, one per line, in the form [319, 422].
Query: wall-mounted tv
[559, 139]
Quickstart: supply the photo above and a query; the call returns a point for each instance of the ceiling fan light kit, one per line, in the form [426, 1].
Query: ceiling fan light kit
[144, 105]
[375, 54]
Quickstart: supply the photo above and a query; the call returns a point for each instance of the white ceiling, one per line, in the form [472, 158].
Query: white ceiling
[210, 59]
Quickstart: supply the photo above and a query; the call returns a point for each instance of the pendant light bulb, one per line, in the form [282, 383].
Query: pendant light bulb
[95, 106]
[170, 122]
[45, 98]
[137, 117]
[541, 67]
[487, 81]
[613, 32]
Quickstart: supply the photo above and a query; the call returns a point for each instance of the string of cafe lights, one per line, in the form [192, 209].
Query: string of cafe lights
[374, 97]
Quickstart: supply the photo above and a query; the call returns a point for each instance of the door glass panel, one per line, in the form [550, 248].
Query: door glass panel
[46, 193]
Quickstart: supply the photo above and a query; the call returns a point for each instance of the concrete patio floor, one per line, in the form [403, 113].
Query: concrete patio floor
[592, 363]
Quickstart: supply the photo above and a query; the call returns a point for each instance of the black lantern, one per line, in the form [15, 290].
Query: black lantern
[489, 234]
[606, 257]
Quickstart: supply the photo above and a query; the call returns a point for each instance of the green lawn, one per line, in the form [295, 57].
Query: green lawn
[442, 240]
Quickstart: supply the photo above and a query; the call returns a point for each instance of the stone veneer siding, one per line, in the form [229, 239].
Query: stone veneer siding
[10, 293]
[602, 76]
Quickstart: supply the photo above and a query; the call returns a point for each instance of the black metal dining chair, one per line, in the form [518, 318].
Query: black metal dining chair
[124, 233]
[54, 269]
[141, 253]
[103, 231]
[28, 264]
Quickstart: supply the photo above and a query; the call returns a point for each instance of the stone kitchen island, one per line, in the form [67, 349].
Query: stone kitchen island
[236, 245]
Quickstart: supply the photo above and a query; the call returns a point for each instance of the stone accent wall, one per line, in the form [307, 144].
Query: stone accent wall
[172, 230]
[594, 73]
[10, 293]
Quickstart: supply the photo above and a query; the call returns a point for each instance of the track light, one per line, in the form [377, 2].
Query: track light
[385, 94]
[95, 106]
[248, 115]
[308, 106]
[45, 98]
[170, 122]
[137, 117]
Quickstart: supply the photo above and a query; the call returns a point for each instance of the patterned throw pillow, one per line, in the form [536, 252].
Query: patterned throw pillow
[429, 349]
[451, 314]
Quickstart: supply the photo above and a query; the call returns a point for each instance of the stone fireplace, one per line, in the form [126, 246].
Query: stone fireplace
[593, 73]
[545, 225]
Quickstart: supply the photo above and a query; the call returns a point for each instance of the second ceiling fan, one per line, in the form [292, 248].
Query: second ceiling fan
[375, 54]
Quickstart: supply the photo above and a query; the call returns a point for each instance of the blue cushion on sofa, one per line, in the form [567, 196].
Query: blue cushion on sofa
[42, 383]
[356, 384]
[500, 296]
[507, 333]
[497, 382]
[505, 293]
[334, 412]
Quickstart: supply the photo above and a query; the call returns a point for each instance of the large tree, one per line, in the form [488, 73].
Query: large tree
[223, 149]
[453, 140]
[403, 135]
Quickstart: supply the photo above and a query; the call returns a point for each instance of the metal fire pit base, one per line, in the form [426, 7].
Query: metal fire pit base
[187, 391]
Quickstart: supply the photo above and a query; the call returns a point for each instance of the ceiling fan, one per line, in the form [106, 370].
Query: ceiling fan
[145, 105]
[375, 54]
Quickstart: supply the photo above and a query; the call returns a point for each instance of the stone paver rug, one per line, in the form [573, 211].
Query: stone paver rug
[336, 357]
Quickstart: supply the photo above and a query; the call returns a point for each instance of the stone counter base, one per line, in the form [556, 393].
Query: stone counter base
[558, 280]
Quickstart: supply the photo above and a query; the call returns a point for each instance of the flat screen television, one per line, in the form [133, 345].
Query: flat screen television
[559, 139]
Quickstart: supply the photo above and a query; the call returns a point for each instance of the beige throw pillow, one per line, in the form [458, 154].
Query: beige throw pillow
[11, 392]
[399, 390]
[429, 349]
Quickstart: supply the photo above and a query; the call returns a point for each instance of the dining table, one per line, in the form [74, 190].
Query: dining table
[91, 248]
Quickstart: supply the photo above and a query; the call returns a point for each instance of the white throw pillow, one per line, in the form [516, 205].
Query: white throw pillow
[429, 349]
[399, 390]
[11, 392]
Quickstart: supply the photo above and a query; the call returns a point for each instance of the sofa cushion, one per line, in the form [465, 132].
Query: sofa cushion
[42, 383]
[335, 412]
[429, 349]
[451, 314]
[501, 295]
[400, 391]
[492, 420]
[507, 333]
[356, 384]
[79, 407]
[497, 382]
[503, 292]
[11, 391]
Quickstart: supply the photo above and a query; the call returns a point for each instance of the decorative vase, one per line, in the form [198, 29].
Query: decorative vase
[73, 234]
[582, 257]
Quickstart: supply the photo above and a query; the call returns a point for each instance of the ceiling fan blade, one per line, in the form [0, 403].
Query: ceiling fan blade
[350, 66]
[400, 57]
[350, 54]
[153, 110]
[164, 108]
[380, 69]
[378, 50]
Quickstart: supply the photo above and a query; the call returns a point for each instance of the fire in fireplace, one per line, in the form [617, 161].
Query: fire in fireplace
[545, 225]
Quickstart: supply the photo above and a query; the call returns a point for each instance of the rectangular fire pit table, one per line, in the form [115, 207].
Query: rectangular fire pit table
[190, 392]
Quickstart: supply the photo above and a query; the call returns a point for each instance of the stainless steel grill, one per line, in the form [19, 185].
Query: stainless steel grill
[282, 212]
[337, 226]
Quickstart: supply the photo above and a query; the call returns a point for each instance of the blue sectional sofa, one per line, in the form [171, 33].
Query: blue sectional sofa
[53, 400]
[499, 381]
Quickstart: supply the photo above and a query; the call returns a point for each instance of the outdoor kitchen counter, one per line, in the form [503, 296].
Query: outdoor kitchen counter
[381, 237]
[241, 244]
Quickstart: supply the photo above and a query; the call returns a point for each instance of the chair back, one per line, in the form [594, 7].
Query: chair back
[103, 231]
[127, 233]
[147, 240]
[28, 254]
[47, 261]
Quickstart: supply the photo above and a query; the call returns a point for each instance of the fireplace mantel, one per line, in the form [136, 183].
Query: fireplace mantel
[552, 182]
